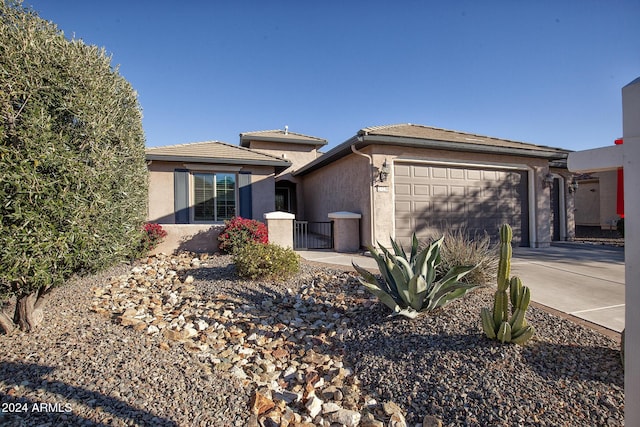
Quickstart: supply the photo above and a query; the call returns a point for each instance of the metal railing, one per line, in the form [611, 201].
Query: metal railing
[313, 235]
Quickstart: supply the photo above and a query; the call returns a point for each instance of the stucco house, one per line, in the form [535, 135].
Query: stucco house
[400, 179]
[195, 187]
[596, 200]
[409, 178]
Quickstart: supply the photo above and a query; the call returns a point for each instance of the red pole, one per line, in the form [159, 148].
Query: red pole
[620, 198]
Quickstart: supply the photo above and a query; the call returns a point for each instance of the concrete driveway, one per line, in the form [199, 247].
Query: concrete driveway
[586, 281]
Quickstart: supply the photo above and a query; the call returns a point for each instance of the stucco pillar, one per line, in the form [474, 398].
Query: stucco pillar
[346, 231]
[631, 167]
[280, 228]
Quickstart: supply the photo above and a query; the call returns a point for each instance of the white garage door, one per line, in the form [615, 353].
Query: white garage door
[431, 198]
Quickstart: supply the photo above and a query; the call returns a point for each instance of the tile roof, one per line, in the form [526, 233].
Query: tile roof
[280, 135]
[420, 136]
[213, 152]
[408, 130]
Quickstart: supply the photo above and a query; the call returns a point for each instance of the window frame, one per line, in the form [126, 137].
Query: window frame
[192, 194]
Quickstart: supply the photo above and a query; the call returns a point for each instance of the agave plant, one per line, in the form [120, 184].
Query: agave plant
[409, 284]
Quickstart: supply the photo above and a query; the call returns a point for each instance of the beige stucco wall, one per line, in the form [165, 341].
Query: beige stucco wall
[298, 154]
[345, 185]
[588, 203]
[596, 203]
[161, 192]
[608, 199]
[189, 237]
[341, 186]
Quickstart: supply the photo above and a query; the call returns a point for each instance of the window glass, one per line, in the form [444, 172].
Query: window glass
[214, 196]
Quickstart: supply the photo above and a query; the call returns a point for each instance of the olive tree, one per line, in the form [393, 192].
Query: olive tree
[73, 177]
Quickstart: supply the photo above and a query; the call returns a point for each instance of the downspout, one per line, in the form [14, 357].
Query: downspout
[533, 238]
[371, 207]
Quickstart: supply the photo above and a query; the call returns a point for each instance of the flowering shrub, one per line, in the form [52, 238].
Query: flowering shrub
[259, 260]
[239, 231]
[153, 236]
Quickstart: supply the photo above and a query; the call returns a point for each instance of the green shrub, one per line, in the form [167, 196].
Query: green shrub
[73, 177]
[410, 285]
[459, 248]
[239, 231]
[258, 260]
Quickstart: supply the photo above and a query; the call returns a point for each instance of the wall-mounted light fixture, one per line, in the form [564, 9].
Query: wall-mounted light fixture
[573, 186]
[548, 180]
[384, 171]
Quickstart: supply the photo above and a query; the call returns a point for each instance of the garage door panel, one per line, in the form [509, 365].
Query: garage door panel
[421, 190]
[430, 198]
[401, 171]
[403, 189]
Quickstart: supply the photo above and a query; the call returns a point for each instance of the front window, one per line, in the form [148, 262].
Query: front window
[214, 196]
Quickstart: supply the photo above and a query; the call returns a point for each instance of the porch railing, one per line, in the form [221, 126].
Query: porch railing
[313, 235]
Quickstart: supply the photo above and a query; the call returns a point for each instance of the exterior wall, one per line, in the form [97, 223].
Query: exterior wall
[161, 208]
[345, 185]
[298, 154]
[263, 191]
[161, 190]
[568, 197]
[596, 200]
[608, 199]
[189, 237]
[588, 203]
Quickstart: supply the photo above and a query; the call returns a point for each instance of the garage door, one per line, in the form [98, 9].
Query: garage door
[431, 198]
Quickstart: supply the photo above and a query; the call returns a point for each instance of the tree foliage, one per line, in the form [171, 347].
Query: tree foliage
[73, 178]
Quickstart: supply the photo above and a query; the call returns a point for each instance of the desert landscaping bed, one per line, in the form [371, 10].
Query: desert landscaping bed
[183, 341]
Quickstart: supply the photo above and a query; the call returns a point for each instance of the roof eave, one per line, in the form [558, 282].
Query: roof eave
[362, 140]
[217, 160]
[245, 139]
[462, 146]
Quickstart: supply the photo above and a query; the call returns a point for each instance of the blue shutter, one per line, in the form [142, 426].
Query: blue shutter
[181, 196]
[244, 185]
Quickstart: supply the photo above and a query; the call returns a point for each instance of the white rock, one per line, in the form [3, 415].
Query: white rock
[313, 405]
[345, 417]
[330, 407]
[189, 332]
[152, 329]
[201, 325]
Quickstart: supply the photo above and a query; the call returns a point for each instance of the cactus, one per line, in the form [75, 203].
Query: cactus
[504, 324]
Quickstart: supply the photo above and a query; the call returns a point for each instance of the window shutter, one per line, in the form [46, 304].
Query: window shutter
[181, 195]
[244, 185]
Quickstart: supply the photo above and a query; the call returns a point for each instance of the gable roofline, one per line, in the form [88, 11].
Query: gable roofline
[419, 136]
[214, 152]
[279, 135]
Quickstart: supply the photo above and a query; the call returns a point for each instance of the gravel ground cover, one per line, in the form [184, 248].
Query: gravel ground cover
[182, 341]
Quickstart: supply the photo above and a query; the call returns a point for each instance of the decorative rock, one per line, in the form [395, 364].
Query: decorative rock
[397, 418]
[431, 421]
[330, 407]
[368, 420]
[261, 403]
[345, 417]
[313, 405]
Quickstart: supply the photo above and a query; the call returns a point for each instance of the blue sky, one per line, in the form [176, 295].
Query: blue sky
[544, 72]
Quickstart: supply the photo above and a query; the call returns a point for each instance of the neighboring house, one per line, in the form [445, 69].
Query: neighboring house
[194, 186]
[400, 178]
[596, 200]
